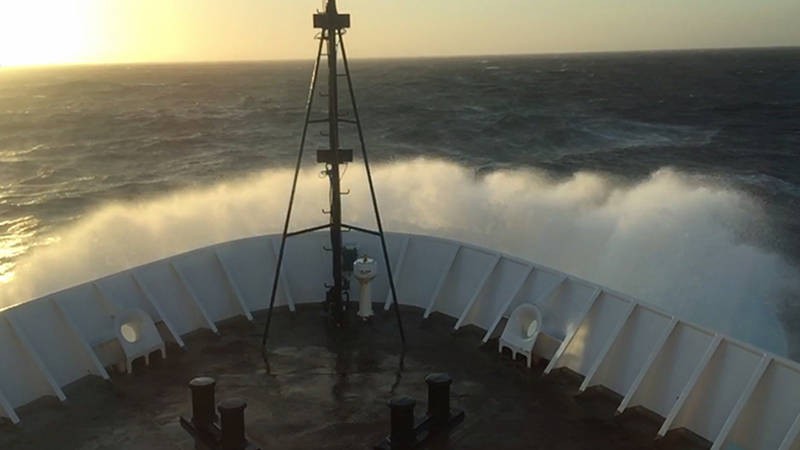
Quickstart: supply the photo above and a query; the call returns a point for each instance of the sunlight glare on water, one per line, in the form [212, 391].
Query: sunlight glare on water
[16, 236]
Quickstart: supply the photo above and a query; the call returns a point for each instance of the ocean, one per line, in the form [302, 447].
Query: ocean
[673, 176]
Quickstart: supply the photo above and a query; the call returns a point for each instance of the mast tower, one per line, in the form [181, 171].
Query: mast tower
[332, 25]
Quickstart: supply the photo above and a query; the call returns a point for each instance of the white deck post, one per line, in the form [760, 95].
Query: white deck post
[646, 366]
[152, 301]
[234, 288]
[440, 283]
[98, 366]
[193, 297]
[509, 300]
[606, 347]
[690, 384]
[571, 335]
[758, 372]
[34, 355]
[478, 291]
[398, 268]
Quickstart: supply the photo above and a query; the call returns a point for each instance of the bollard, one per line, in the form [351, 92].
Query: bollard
[439, 398]
[402, 433]
[405, 432]
[203, 402]
[231, 412]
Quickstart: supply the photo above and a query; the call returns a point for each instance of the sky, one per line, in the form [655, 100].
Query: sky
[113, 31]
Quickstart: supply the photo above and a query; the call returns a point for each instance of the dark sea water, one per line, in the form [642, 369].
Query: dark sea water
[725, 124]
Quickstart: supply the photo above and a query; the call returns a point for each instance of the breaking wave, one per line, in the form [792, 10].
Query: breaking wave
[669, 239]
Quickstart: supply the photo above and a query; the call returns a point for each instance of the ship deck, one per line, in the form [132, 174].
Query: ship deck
[327, 388]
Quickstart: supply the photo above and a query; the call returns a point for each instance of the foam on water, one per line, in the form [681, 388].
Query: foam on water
[669, 239]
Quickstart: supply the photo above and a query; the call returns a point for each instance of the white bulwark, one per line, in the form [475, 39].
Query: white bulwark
[729, 392]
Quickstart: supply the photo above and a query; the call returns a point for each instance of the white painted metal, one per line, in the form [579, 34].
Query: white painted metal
[646, 366]
[8, 410]
[792, 436]
[507, 302]
[715, 386]
[687, 390]
[672, 368]
[478, 291]
[571, 333]
[76, 333]
[152, 302]
[283, 279]
[203, 273]
[234, 288]
[166, 290]
[396, 271]
[743, 399]
[440, 283]
[470, 270]
[601, 355]
[425, 260]
[110, 306]
[718, 389]
[767, 417]
[190, 292]
[35, 357]
[631, 349]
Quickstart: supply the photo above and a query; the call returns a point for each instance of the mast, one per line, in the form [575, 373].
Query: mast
[332, 25]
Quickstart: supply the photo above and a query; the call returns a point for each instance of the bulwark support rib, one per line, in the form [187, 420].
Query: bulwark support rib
[234, 287]
[8, 409]
[285, 286]
[34, 355]
[397, 270]
[474, 298]
[193, 297]
[744, 397]
[440, 284]
[792, 435]
[646, 366]
[612, 338]
[509, 300]
[690, 384]
[98, 366]
[152, 301]
[571, 335]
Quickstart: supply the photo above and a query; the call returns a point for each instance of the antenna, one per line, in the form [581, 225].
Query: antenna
[332, 23]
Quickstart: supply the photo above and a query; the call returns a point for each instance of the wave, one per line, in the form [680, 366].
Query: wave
[669, 239]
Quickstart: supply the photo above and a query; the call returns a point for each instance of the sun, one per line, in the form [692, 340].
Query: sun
[45, 31]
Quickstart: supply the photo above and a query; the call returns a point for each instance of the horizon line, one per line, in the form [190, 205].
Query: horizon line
[402, 57]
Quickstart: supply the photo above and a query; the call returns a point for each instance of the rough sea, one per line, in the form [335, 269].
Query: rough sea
[673, 176]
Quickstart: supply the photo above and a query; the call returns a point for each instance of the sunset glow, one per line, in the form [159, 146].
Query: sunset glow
[109, 31]
[46, 32]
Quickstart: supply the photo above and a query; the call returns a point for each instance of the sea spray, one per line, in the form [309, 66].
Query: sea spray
[668, 239]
